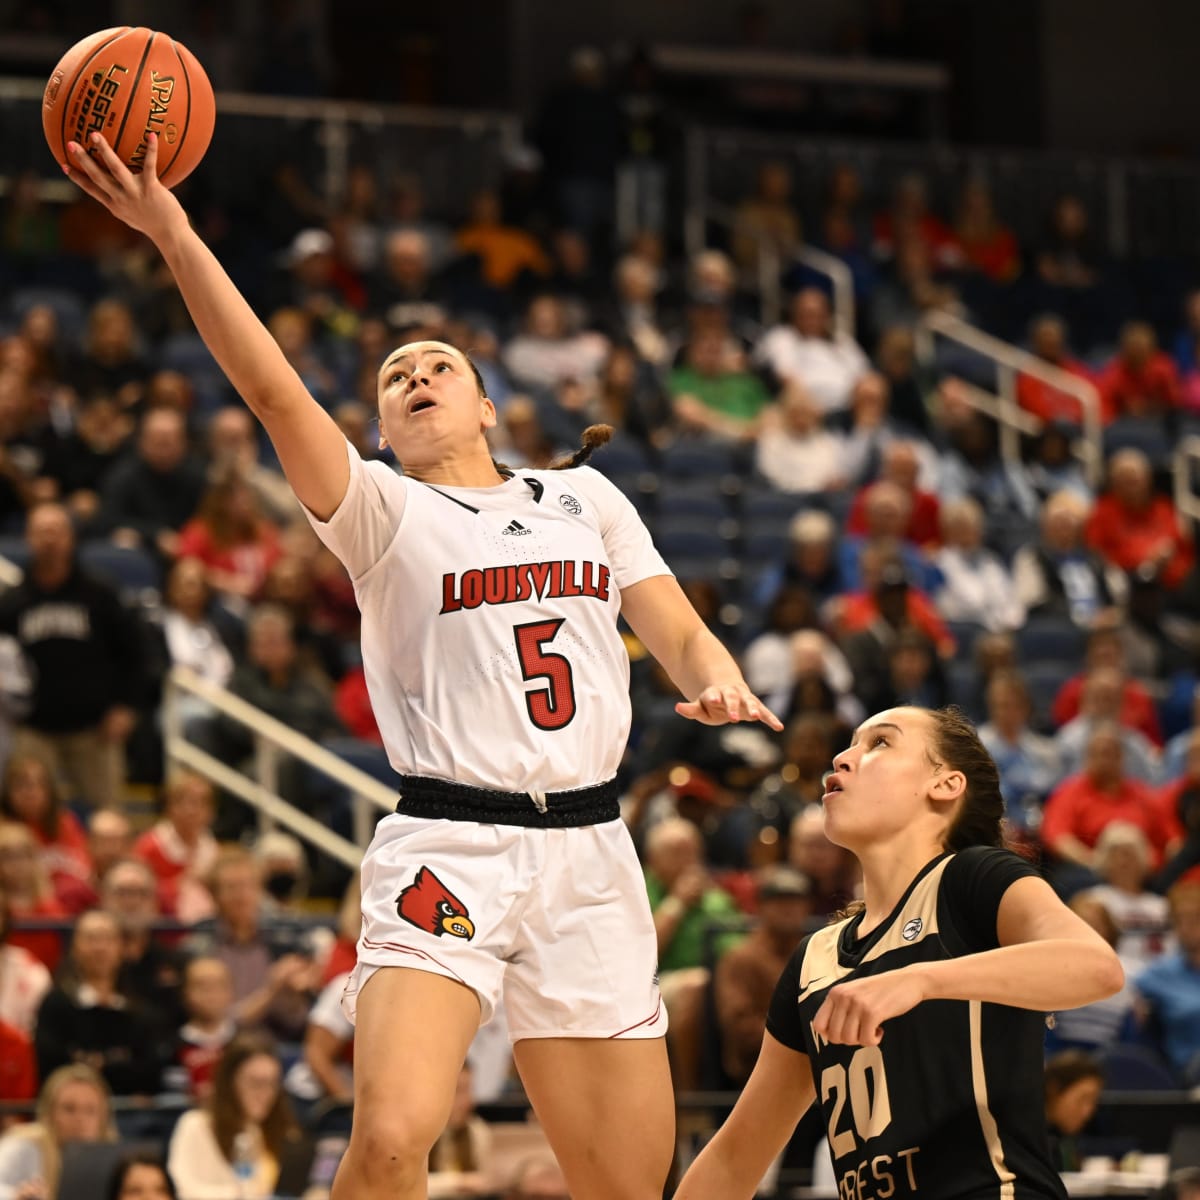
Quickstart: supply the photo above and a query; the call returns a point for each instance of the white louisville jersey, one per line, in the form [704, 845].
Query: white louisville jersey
[489, 622]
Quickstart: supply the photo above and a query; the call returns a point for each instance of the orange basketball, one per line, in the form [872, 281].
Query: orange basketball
[126, 84]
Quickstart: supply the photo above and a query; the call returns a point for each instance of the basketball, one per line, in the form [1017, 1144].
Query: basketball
[127, 83]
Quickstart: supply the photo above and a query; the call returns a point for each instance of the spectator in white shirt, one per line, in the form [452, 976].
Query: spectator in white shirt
[977, 586]
[808, 349]
[794, 452]
[1100, 703]
[547, 353]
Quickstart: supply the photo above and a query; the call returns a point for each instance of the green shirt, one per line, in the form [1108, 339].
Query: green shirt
[735, 394]
[687, 947]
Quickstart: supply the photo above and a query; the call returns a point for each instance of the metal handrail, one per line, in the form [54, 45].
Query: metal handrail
[1187, 502]
[1010, 362]
[271, 739]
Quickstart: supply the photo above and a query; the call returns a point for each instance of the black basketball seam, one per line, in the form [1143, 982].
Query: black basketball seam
[137, 79]
[187, 115]
[87, 62]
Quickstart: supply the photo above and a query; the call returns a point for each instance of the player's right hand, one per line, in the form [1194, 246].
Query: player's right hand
[139, 200]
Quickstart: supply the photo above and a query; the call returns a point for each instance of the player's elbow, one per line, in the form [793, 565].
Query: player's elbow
[1108, 973]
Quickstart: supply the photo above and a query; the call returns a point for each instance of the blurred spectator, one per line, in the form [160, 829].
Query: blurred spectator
[141, 1175]
[914, 675]
[869, 428]
[794, 453]
[810, 351]
[27, 894]
[285, 878]
[573, 280]
[1170, 987]
[190, 637]
[766, 661]
[745, 977]
[292, 329]
[1074, 1082]
[18, 1067]
[976, 584]
[1048, 342]
[24, 979]
[830, 869]
[1051, 465]
[149, 496]
[404, 291]
[1123, 863]
[292, 585]
[109, 839]
[1100, 702]
[459, 1161]
[1058, 575]
[632, 398]
[180, 848]
[538, 1178]
[508, 256]
[1141, 380]
[1082, 805]
[233, 446]
[28, 228]
[1180, 799]
[232, 1147]
[1187, 358]
[579, 132]
[901, 466]
[1105, 648]
[911, 288]
[635, 316]
[972, 465]
[88, 659]
[986, 245]
[151, 972]
[808, 747]
[408, 214]
[274, 974]
[1028, 763]
[811, 561]
[230, 536]
[324, 1070]
[816, 660]
[110, 360]
[31, 797]
[208, 1027]
[715, 301]
[74, 1105]
[1136, 529]
[684, 903]
[546, 354]
[910, 221]
[766, 221]
[896, 361]
[526, 442]
[714, 396]
[352, 703]
[87, 1017]
[1068, 257]
[80, 461]
[321, 282]
[845, 228]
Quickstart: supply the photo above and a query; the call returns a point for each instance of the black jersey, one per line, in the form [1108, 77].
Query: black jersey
[950, 1104]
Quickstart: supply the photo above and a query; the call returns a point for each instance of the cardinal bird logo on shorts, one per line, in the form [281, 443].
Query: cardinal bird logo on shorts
[429, 905]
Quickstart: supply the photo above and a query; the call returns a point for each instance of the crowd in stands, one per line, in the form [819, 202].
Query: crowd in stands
[837, 510]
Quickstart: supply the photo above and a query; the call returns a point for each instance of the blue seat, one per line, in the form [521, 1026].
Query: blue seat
[688, 459]
[965, 634]
[765, 541]
[758, 501]
[693, 537]
[622, 456]
[1044, 679]
[691, 498]
[1045, 637]
[127, 568]
[1136, 1069]
[1139, 433]
[15, 550]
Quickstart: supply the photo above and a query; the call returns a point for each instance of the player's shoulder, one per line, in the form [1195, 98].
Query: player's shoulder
[974, 859]
[578, 489]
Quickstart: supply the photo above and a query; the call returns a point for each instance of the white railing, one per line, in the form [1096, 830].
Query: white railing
[272, 739]
[1011, 361]
[1187, 501]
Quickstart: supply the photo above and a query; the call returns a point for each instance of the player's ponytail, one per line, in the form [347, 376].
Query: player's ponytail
[956, 744]
[594, 436]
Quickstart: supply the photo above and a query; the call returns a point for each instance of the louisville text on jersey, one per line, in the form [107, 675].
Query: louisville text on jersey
[524, 581]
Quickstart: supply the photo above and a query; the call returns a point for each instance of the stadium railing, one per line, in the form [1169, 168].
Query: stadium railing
[272, 740]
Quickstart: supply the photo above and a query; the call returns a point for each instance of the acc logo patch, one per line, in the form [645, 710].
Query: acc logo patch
[912, 929]
[570, 504]
[429, 905]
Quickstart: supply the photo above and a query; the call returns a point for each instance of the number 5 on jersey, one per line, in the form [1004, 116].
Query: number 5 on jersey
[550, 707]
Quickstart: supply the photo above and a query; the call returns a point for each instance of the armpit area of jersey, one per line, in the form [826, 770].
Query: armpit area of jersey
[443, 799]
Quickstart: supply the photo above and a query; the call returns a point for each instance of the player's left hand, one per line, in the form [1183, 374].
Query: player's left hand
[727, 705]
[853, 1013]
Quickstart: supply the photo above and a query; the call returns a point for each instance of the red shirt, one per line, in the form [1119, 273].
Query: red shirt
[1146, 391]
[1168, 797]
[18, 1068]
[45, 945]
[1127, 538]
[249, 561]
[1048, 402]
[167, 855]
[1137, 707]
[1079, 808]
[859, 610]
[65, 855]
[353, 706]
[923, 528]
[997, 256]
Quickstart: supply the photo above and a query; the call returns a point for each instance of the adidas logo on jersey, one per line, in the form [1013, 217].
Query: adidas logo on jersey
[516, 529]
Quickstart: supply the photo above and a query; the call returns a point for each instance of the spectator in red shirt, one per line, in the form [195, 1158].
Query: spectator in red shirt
[1180, 800]
[901, 466]
[909, 217]
[210, 1027]
[987, 246]
[18, 1066]
[32, 798]
[24, 980]
[1082, 805]
[1106, 650]
[180, 849]
[1136, 529]
[25, 886]
[353, 707]
[230, 536]
[1048, 342]
[1141, 380]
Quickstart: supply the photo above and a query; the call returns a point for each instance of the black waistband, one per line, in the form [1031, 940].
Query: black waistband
[441, 799]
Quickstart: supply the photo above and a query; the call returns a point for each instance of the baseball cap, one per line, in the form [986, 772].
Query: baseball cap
[307, 244]
[776, 881]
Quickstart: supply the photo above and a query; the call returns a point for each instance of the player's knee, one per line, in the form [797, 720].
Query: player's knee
[393, 1146]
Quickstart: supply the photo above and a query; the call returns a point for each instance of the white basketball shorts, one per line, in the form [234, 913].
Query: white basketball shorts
[555, 921]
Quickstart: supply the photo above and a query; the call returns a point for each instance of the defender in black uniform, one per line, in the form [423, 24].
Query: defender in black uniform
[917, 1023]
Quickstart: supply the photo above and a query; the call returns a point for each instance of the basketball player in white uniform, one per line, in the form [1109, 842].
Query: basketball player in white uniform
[501, 688]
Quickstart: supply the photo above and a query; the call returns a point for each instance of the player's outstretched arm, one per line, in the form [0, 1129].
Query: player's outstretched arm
[670, 628]
[777, 1095]
[311, 448]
